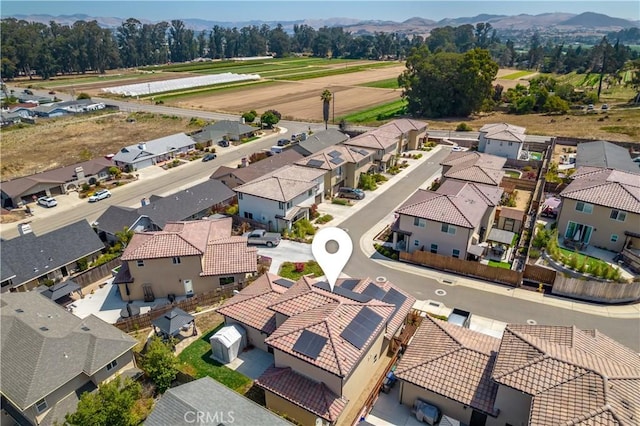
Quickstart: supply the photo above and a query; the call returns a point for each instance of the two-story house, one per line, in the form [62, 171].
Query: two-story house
[600, 207]
[502, 139]
[536, 375]
[184, 259]
[448, 221]
[281, 198]
[326, 344]
[236, 176]
[50, 357]
[472, 166]
[319, 141]
[343, 165]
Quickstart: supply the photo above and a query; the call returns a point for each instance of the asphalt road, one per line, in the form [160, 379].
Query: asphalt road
[491, 305]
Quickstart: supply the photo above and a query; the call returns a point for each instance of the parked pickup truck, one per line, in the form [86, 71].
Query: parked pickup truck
[460, 317]
[263, 238]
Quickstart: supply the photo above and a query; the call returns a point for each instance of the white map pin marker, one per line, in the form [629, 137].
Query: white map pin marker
[332, 263]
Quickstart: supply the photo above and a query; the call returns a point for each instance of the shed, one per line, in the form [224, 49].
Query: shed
[227, 343]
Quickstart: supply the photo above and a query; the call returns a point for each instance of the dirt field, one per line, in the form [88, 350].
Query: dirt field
[510, 84]
[301, 99]
[60, 142]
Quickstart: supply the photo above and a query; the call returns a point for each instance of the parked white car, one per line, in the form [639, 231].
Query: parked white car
[100, 195]
[47, 201]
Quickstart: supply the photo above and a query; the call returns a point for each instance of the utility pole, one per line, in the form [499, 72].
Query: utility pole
[333, 99]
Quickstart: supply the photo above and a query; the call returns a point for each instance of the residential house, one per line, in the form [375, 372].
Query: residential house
[343, 165]
[207, 401]
[50, 111]
[25, 110]
[34, 99]
[537, 375]
[510, 219]
[50, 357]
[599, 207]
[605, 155]
[54, 182]
[281, 198]
[188, 204]
[233, 177]
[225, 130]
[9, 118]
[327, 345]
[450, 221]
[502, 139]
[30, 260]
[390, 139]
[184, 259]
[319, 141]
[472, 166]
[145, 154]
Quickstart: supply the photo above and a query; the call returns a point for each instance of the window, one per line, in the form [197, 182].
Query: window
[41, 406]
[419, 222]
[226, 280]
[289, 204]
[510, 143]
[618, 215]
[113, 364]
[449, 229]
[310, 192]
[280, 205]
[614, 238]
[176, 260]
[239, 195]
[434, 248]
[248, 215]
[584, 207]
[456, 253]
[140, 263]
[416, 243]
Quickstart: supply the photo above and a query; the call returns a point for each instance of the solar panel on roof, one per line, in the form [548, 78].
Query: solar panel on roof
[363, 152]
[284, 282]
[349, 284]
[315, 163]
[394, 297]
[310, 344]
[374, 291]
[334, 154]
[344, 292]
[337, 160]
[361, 327]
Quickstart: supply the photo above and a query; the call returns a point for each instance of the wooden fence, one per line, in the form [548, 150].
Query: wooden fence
[521, 184]
[464, 267]
[92, 275]
[539, 274]
[596, 291]
[188, 305]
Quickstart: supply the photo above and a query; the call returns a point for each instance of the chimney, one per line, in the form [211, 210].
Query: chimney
[244, 162]
[24, 228]
[79, 173]
[144, 202]
[242, 120]
[142, 146]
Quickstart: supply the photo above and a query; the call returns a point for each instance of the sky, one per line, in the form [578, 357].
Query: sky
[240, 10]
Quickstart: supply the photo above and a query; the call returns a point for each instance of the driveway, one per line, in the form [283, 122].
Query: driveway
[286, 251]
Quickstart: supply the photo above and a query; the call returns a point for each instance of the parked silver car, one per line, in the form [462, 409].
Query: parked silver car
[47, 202]
[100, 195]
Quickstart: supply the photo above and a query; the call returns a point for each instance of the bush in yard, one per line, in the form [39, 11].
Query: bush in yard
[340, 201]
[463, 127]
[160, 364]
[249, 117]
[83, 95]
[270, 118]
[378, 177]
[367, 182]
[302, 228]
[231, 210]
[313, 211]
[83, 264]
[324, 219]
[299, 266]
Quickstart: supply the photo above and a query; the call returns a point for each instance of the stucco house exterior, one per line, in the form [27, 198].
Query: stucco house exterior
[281, 198]
[343, 165]
[236, 176]
[146, 154]
[184, 259]
[502, 139]
[325, 344]
[448, 221]
[50, 357]
[536, 375]
[54, 182]
[601, 208]
[472, 166]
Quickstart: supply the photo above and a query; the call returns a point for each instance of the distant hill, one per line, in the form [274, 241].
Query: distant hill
[590, 19]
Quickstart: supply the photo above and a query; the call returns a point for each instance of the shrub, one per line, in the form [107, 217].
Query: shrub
[416, 156]
[197, 122]
[527, 168]
[367, 182]
[463, 127]
[324, 219]
[340, 201]
[249, 117]
[302, 228]
[313, 211]
[378, 177]
[534, 253]
[232, 209]
[542, 237]
[83, 264]
[85, 187]
[299, 266]
[83, 95]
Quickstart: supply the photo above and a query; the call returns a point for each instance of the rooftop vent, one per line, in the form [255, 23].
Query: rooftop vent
[85, 328]
[44, 328]
[19, 310]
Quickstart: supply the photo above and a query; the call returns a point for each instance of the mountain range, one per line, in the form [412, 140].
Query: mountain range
[415, 25]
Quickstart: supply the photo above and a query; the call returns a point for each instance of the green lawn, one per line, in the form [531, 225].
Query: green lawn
[195, 360]
[378, 113]
[512, 174]
[288, 270]
[591, 261]
[390, 83]
[503, 265]
[516, 75]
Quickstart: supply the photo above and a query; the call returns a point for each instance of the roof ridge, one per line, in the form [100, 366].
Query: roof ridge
[459, 211]
[190, 243]
[341, 367]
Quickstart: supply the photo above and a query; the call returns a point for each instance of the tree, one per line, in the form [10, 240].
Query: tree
[83, 95]
[115, 171]
[250, 116]
[160, 364]
[270, 118]
[110, 405]
[124, 236]
[326, 101]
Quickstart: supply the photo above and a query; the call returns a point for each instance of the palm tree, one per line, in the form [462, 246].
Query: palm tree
[326, 101]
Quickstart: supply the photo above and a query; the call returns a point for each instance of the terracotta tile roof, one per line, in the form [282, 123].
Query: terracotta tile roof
[284, 184]
[503, 131]
[304, 392]
[229, 256]
[250, 306]
[474, 166]
[405, 124]
[452, 361]
[326, 158]
[574, 376]
[610, 188]
[301, 297]
[491, 195]
[469, 158]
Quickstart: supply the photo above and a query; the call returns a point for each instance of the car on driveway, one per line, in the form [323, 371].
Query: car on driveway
[223, 143]
[353, 193]
[100, 195]
[283, 142]
[47, 202]
[262, 238]
[208, 157]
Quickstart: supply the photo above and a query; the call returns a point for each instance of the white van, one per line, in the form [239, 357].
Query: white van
[277, 149]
